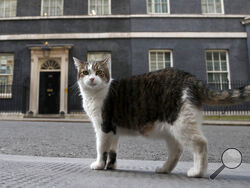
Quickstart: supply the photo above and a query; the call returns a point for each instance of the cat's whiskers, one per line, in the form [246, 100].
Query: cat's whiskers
[75, 89]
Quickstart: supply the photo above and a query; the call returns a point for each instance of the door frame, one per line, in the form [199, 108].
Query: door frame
[61, 54]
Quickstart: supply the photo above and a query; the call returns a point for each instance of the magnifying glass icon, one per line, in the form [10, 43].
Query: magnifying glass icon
[231, 158]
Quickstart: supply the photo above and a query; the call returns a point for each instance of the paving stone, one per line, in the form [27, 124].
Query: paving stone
[47, 172]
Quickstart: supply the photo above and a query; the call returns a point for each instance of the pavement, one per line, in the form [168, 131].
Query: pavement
[58, 154]
[77, 140]
[48, 172]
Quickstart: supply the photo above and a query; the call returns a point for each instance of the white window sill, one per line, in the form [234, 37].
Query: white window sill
[5, 95]
[164, 15]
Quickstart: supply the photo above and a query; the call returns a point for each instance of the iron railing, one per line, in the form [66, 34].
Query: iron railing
[13, 98]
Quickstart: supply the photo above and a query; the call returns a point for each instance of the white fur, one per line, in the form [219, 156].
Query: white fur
[185, 131]
[92, 101]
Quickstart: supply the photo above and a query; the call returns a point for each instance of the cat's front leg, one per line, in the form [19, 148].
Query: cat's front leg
[103, 142]
[111, 162]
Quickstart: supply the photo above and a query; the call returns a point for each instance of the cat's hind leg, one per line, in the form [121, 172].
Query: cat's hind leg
[103, 143]
[187, 130]
[111, 162]
[174, 153]
[198, 145]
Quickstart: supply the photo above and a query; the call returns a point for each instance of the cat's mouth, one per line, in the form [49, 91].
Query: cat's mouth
[92, 84]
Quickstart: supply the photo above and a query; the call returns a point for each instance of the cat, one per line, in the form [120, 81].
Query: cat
[164, 104]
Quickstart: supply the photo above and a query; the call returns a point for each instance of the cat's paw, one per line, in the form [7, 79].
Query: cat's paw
[195, 173]
[111, 166]
[97, 165]
[161, 170]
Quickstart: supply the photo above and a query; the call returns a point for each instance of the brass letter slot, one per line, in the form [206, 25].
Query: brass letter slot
[49, 90]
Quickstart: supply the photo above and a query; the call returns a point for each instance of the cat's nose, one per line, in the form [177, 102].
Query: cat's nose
[92, 79]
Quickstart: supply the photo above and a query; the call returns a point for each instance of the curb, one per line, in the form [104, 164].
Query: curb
[226, 123]
[48, 120]
[86, 120]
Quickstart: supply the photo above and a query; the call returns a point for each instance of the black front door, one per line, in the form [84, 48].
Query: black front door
[49, 93]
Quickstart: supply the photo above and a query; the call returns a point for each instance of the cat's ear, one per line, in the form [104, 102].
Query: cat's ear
[78, 63]
[105, 60]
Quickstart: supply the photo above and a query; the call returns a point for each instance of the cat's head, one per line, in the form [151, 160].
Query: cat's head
[92, 75]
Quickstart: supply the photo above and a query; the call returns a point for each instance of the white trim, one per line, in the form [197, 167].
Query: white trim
[110, 7]
[41, 11]
[246, 20]
[88, 7]
[5, 95]
[228, 69]
[61, 54]
[124, 35]
[222, 7]
[127, 16]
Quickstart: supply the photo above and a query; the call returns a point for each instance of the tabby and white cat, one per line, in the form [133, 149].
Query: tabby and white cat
[164, 104]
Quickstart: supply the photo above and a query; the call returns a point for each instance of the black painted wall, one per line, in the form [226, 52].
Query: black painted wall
[64, 26]
[187, 25]
[121, 25]
[189, 55]
[237, 7]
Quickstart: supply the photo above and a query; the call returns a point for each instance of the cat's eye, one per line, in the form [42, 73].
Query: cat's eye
[85, 73]
[99, 72]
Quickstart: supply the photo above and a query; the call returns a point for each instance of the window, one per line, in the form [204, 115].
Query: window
[6, 73]
[52, 8]
[99, 7]
[98, 56]
[212, 6]
[160, 59]
[8, 8]
[157, 6]
[217, 69]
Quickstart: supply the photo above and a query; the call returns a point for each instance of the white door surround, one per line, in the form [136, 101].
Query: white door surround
[61, 55]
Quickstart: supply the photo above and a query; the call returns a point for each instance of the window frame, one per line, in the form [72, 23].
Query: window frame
[164, 51]
[222, 8]
[13, 11]
[8, 95]
[214, 72]
[98, 52]
[90, 13]
[42, 14]
[153, 12]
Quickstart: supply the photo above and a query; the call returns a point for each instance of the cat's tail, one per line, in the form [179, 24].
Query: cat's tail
[225, 97]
